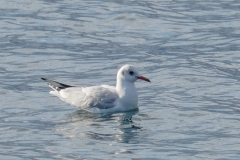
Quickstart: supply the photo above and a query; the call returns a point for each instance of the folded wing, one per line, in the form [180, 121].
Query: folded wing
[102, 97]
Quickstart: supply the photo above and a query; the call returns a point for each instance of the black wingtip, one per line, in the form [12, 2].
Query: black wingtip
[44, 79]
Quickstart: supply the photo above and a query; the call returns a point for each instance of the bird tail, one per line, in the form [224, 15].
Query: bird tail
[56, 85]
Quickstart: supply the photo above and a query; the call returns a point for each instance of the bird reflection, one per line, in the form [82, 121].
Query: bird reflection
[118, 127]
[122, 117]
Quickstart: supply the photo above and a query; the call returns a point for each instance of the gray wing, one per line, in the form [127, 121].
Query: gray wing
[102, 97]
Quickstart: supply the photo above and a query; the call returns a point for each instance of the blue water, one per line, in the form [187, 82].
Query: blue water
[188, 49]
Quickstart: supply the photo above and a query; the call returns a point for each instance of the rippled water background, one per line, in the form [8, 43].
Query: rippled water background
[188, 48]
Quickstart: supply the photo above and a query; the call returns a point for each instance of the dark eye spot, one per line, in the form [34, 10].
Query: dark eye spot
[131, 72]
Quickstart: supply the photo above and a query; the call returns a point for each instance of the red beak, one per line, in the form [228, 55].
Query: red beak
[143, 78]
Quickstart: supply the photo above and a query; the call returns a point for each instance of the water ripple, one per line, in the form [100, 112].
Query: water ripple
[189, 50]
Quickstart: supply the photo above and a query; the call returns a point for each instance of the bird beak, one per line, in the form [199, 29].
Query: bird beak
[143, 78]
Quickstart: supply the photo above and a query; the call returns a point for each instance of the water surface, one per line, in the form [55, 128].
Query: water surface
[188, 49]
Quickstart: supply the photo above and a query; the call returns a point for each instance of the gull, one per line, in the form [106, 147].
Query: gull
[104, 98]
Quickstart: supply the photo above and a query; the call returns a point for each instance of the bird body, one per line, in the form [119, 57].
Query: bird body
[104, 98]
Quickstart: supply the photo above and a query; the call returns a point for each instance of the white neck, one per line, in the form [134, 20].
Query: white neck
[127, 91]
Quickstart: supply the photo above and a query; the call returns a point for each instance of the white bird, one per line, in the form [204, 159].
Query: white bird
[104, 98]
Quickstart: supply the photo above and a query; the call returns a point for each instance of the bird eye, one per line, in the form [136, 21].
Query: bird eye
[131, 72]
